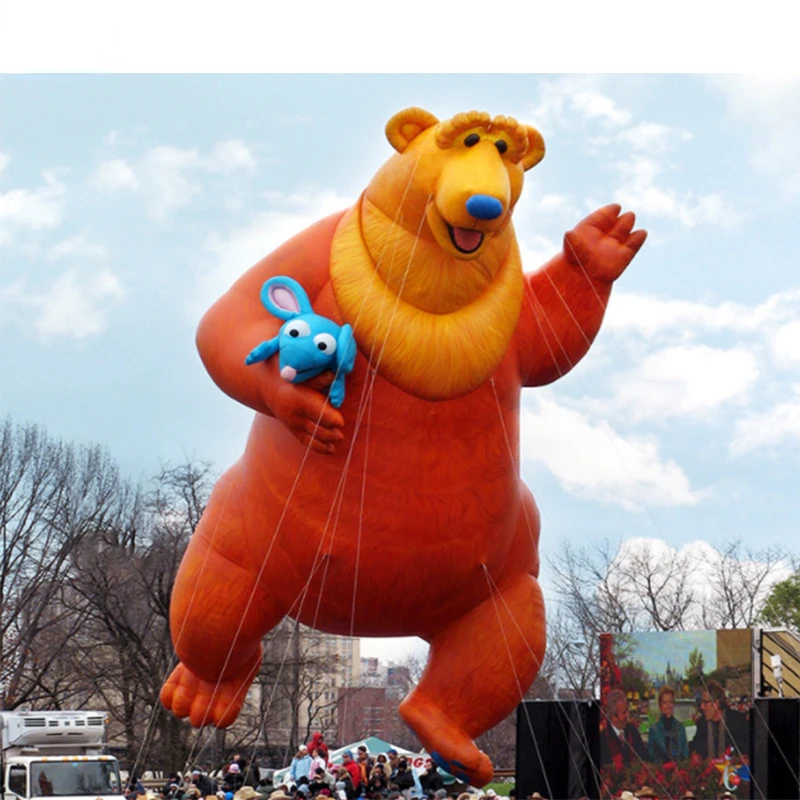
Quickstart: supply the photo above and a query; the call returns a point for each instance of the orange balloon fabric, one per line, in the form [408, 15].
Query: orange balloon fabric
[402, 513]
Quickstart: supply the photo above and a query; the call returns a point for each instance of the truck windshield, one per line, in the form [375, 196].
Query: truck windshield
[63, 778]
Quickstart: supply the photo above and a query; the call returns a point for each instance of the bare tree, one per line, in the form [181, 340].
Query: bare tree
[53, 496]
[125, 576]
[740, 581]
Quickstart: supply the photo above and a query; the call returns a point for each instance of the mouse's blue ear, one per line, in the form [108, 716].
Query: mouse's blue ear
[346, 350]
[285, 297]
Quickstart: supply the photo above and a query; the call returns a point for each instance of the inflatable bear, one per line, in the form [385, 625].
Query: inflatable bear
[401, 513]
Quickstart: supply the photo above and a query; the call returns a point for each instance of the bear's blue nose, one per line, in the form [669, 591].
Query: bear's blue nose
[484, 206]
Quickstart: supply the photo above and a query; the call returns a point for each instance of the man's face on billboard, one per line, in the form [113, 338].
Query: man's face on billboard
[621, 714]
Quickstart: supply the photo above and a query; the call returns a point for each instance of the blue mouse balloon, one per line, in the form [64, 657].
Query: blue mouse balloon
[307, 343]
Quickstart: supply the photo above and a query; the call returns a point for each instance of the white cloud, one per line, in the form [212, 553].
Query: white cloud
[651, 316]
[640, 191]
[165, 181]
[78, 246]
[114, 175]
[34, 210]
[578, 96]
[591, 460]
[652, 136]
[76, 305]
[769, 108]
[167, 178]
[234, 253]
[231, 155]
[785, 343]
[768, 428]
[683, 380]
[537, 251]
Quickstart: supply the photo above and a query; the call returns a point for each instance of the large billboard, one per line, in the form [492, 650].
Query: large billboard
[675, 712]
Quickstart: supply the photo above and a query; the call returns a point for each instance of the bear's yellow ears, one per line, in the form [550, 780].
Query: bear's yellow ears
[527, 145]
[407, 125]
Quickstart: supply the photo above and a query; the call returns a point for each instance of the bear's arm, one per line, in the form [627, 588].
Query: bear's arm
[562, 310]
[238, 321]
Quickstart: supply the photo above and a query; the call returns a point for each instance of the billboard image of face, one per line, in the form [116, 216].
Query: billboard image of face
[675, 712]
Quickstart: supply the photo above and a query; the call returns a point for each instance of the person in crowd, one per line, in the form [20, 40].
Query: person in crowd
[203, 782]
[719, 727]
[234, 780]
[301, 765]
[344, 783]
[384, 762]
[430, 780]
[318, 781]
[394, 760]
[365, 763]
[646, 793]
[265, 785]
[173, 792]
[135, 786]
[318, 761]
[666, 739]
[621, 742]
[404, 779]
[378, 780]
[318, 743]
[353, 769]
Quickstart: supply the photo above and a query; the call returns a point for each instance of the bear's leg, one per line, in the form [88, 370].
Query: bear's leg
[218, 613]
[477, 673]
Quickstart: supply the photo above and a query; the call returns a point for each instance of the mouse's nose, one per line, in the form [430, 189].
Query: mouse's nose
[484, 206]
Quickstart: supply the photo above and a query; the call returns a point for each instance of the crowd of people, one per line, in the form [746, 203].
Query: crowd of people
[311, 776]
[360, 774]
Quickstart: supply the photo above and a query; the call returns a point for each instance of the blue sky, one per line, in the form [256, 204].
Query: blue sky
[128, 204]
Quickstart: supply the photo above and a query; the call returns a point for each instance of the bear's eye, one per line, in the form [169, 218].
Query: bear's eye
[501, 145]
[326, 343]
[297, 327]
[472, 140]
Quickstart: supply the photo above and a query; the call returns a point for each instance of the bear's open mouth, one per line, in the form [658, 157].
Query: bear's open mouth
[465, 240]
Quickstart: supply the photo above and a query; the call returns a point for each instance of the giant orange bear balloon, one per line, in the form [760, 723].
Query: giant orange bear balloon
[403, 512]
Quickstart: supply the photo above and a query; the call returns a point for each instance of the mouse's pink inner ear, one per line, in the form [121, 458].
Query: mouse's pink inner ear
[284, 297]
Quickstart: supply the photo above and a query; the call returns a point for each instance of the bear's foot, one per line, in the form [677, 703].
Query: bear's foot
[449, 745]
[206, 702]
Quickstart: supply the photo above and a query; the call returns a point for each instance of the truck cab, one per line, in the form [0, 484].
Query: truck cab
[48, 754]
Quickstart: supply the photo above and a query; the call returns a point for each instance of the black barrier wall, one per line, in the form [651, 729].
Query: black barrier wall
[558, 749]
[775, 757]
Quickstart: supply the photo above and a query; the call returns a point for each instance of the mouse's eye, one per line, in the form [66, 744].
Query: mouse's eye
[326, 343]
[296, 328]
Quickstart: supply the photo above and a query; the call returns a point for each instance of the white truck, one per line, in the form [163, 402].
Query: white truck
[57, 754]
